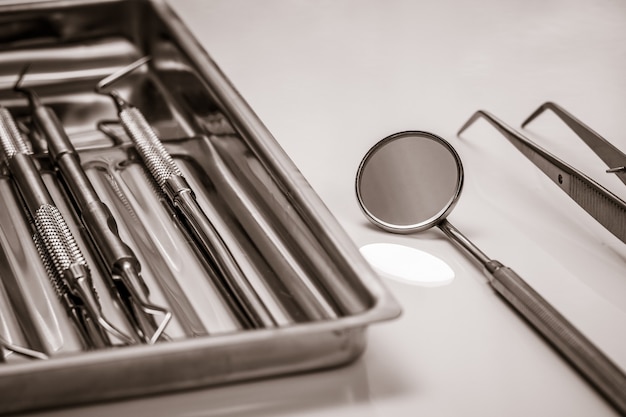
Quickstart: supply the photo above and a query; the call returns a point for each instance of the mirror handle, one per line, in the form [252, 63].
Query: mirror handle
[576, 348]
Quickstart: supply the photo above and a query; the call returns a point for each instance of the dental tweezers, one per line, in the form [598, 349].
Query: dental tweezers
[604, 206]
[612, 157]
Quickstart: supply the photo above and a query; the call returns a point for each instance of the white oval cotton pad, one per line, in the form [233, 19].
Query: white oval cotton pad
[408, 265]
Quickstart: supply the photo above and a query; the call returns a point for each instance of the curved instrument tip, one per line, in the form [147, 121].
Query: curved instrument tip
[471, 120]
[545, 106]
[110, 79]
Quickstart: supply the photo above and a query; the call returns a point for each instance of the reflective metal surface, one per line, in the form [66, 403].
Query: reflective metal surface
[329, 79]
[256, 198]
[400, 171]
[408, 181]
[604, 206]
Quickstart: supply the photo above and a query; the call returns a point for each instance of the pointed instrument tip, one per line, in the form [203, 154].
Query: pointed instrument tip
[471, 120]
[110, 79]
[536, 113]
[33, 98]
[20, 78]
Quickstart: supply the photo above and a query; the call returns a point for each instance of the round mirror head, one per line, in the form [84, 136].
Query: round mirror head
[409, 181]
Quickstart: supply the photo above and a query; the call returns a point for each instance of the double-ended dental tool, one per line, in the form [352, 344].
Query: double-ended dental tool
[168, 175]
[59, 251]
[123, 267]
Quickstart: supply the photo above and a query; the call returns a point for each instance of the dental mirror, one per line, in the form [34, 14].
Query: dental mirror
[409, 182]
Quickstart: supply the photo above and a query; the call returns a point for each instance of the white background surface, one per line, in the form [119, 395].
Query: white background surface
[331, 78]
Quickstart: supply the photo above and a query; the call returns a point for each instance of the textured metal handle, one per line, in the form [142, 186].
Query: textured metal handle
[158, 161]
[588, 359]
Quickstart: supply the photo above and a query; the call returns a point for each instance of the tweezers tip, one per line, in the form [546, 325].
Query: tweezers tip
[545, 106]
[471, 120]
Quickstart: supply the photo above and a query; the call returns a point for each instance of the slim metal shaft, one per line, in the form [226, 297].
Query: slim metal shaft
[463, 242]
[204, 231]
[590, 361]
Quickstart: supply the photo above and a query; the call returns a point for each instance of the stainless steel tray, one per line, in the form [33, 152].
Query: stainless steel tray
[258, 199]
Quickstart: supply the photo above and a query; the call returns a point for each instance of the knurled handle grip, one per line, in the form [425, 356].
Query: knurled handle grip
[152, 151]
[587, 358]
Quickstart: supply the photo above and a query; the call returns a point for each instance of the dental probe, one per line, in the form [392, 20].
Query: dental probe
[63, 259]
[119, 259]
[171, 181]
